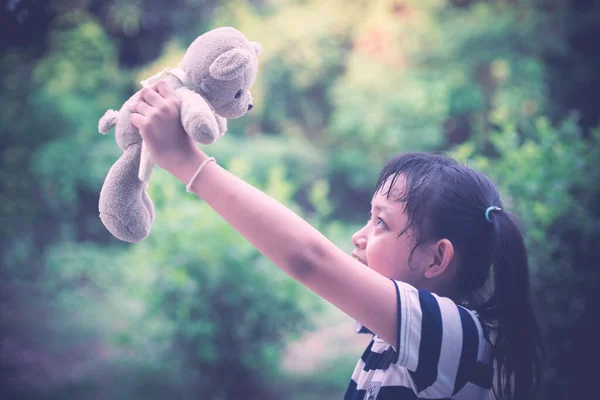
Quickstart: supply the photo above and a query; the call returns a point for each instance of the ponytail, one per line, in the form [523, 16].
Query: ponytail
[517, 339]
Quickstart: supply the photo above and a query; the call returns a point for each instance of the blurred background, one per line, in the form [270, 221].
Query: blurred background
[509, 87]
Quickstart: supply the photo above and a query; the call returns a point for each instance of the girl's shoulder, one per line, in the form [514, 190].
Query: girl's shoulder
[440, 349]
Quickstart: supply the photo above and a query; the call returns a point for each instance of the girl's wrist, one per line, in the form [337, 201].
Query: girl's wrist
[186, 169]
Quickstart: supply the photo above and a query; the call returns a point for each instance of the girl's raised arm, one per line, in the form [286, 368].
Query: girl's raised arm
[296, 247]
[276, 231]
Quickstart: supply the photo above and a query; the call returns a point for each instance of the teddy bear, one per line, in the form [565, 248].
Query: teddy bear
[212, 82]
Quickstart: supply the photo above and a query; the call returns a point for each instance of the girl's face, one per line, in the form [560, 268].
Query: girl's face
[379, 246]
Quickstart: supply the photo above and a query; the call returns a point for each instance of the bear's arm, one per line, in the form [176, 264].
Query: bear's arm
[222, 123]
[197, 117]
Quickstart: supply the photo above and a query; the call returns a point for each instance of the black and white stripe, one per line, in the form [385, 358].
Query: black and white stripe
[440, 353]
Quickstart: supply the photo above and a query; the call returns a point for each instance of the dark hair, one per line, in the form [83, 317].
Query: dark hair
[444, 199]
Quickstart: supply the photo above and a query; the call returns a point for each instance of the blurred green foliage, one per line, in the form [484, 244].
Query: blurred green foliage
[507, 87]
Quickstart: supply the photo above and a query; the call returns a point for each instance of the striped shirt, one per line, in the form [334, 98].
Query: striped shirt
[441, 353]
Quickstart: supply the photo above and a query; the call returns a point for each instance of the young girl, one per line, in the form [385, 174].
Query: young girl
[437, 232]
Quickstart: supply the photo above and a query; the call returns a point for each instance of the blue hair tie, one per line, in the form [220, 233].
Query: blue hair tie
[491, 208]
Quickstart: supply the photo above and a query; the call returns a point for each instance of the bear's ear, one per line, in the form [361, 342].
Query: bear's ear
[230, 64]
[257, 47]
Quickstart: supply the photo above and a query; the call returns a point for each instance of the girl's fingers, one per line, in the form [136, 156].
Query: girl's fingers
[141, 107]
[138, 121]
[152, 97]
[165, 91]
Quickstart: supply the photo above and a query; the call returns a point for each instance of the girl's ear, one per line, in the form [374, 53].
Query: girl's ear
[443, 254]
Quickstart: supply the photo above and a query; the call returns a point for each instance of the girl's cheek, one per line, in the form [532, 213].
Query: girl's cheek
[372, 249]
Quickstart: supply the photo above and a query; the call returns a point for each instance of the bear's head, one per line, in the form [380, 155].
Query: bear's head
[223, 64]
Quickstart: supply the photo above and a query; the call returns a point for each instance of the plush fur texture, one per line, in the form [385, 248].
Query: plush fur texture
[222, 66]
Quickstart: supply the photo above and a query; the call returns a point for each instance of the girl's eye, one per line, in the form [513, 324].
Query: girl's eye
[238, 94]
[379, 221]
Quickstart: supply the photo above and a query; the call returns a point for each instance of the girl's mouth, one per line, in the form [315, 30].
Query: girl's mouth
[357, 258]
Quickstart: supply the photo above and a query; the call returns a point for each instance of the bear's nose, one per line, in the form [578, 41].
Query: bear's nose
[250, 107]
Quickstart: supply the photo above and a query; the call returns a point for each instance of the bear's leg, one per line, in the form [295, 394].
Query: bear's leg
[125, 208]
[133, 232]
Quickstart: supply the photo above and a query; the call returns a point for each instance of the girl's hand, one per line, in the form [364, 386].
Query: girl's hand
[157, 117]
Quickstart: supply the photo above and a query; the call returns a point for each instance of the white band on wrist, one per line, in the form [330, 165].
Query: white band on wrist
[188, 188]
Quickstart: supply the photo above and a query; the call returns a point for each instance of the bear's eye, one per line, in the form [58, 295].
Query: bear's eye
[238, 94]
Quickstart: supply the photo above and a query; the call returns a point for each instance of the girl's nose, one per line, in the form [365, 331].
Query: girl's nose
[359, 240]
